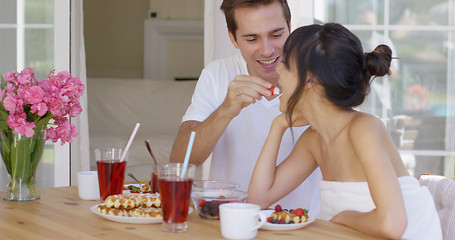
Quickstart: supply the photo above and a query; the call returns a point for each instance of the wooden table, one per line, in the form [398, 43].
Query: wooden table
[60, 214]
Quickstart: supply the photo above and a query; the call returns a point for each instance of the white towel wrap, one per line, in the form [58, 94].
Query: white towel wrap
[423, 220]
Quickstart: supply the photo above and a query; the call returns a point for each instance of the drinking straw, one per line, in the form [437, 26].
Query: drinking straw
[188, 153]
[130, 141]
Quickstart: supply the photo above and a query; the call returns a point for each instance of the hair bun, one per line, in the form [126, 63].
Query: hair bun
[378, 61]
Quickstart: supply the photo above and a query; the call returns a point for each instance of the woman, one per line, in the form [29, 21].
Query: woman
[324, 76]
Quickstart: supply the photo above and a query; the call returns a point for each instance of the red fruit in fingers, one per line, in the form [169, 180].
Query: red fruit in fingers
[275, 90]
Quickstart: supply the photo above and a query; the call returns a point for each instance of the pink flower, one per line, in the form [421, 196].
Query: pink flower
[20, 125]
[64, 131]
[63, 76]
[10, 76]
[56, 106]
[41, 108]
[75, 109]
[25, 77]
[10, 88]
[12, 103]
[33, 95]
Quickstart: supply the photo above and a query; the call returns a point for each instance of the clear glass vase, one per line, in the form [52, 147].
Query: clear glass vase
[21, 156]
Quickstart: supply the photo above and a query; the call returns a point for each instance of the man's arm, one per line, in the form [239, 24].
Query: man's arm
[242, 91]
[208, 134]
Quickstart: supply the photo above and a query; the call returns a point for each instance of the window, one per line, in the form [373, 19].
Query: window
[35, 33]
[418, 100]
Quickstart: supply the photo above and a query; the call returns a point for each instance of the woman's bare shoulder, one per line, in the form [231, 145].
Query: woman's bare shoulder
[365, 125]
[364, 120]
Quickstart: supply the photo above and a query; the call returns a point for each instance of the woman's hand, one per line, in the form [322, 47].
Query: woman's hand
[297, 121]
[281, 121]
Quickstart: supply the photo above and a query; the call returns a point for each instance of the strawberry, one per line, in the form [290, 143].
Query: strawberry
[269, 219]
[278, 208]
[298, 212]
[135, 189]
[274, 90]
[201, 202]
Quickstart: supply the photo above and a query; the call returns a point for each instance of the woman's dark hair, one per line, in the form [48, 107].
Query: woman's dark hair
[334, 57]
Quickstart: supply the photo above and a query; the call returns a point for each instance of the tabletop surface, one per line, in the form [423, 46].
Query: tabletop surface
[61, 214]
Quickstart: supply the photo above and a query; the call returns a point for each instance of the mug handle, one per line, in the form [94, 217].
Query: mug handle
[263, 219]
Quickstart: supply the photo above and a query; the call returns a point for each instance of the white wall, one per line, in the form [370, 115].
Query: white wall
[114, 36]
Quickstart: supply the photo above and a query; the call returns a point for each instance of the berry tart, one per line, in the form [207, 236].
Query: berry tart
[285, 216]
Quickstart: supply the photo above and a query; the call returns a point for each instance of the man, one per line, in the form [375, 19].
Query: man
[232, 107]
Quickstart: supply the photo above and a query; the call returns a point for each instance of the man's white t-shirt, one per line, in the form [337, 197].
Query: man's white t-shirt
[236, 152]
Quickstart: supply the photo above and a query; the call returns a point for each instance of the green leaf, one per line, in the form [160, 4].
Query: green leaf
[42, 122]
[6, 151]
[37, 152]
[20, 158]
[3, 120]
[3, 83]
[3, 125]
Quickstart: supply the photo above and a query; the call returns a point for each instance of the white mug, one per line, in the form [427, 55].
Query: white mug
[87, 185]
[240, 220]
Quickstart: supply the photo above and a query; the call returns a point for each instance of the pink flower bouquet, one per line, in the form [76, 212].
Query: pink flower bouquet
[30, 106]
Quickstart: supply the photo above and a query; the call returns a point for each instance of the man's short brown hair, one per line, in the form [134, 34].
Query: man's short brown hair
[229, 7]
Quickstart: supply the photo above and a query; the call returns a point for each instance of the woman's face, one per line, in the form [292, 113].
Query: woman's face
[288, 82]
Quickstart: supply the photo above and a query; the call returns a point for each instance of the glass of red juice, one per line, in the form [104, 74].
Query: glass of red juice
[111, 171]
[154, 184]
[175, 191]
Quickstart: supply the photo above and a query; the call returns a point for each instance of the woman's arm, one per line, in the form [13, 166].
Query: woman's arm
[269, 182]
[372, 146]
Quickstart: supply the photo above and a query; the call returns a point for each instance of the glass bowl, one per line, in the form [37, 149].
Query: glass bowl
[215, 184]
[207, 200]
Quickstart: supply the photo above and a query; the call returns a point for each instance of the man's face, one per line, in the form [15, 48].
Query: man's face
[261, 33]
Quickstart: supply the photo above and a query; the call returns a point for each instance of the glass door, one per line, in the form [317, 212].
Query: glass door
[417, 101]
[35, 33]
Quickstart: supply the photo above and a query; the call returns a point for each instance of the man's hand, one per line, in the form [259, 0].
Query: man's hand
[243, 91]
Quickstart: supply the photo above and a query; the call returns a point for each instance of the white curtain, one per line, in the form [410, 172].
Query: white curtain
[216, 40]
[80, 147]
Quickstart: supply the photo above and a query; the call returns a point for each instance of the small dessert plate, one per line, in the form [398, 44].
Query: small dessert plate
[283, 227]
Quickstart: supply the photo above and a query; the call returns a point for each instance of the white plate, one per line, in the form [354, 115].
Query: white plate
[280, 227]
[122, 219]
[137, 220]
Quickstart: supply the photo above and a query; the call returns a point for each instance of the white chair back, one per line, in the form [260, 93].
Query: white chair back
[443, 190]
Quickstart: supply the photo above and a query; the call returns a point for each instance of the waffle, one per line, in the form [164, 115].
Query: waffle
[112, 211]
[130, 201]
[135, 212]
[150, 200]
[146, 212]
[132, 205]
